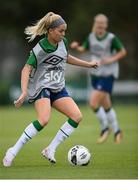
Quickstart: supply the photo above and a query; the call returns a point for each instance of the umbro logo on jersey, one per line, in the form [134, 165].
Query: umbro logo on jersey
[54, 60]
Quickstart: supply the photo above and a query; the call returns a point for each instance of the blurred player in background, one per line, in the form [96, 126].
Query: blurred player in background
[43, 81]
[108, 50]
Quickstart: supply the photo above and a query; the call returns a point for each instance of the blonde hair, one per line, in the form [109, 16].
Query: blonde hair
[41, 26]
[99, 16]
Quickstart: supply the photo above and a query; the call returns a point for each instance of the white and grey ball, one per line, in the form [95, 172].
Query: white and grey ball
[79, 155]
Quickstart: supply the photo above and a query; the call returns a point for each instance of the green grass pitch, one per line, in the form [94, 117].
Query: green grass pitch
[108, 160]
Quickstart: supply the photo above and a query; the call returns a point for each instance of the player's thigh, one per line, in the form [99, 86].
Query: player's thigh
[96, 98]
[43, 109]
[106, 102]
[67, 106]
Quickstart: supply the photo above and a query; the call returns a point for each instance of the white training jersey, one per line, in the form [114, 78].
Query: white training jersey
[50, 71]
[101, 49]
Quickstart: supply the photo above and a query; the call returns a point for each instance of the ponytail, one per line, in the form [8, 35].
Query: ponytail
[93, 28]
[41, 26]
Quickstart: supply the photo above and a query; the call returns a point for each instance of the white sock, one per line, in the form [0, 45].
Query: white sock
[101, 115]
[65, 131]
[28, 133]
[111, 116]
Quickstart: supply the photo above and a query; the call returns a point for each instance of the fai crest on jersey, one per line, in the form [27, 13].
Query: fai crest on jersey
[54, 60]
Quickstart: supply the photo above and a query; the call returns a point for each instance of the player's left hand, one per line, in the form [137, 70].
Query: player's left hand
[106, 60]
[18, 103]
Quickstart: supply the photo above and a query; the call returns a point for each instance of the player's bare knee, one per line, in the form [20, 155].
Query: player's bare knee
[43, 121]
[93, 105]
[77, 117]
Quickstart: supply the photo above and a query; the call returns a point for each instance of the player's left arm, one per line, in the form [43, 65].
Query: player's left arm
[78, 62]
[121, 52]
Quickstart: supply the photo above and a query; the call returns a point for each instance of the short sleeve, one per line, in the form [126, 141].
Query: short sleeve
[116, 44]
[66, 43]
[86, 43]
[32, 60]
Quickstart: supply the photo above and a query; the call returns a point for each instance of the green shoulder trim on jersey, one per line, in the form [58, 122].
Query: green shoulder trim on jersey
[102, 37]
[32, 60]
[46, 46]
[66, 43]
[116, 44]
[86, 44]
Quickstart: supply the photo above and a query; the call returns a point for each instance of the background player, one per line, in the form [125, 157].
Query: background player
[43, 81]
[108, 50]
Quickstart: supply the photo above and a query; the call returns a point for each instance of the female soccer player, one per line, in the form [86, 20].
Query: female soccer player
[43, 80]
[108, 50]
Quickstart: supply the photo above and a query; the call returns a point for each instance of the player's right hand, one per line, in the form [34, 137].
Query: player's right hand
[18, 103]
[74, 45]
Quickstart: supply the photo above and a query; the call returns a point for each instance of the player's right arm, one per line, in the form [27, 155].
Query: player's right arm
[25, 74]
[80, 48]
[75, 45]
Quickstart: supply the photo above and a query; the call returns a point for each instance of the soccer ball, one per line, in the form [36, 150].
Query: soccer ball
[79, 155]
